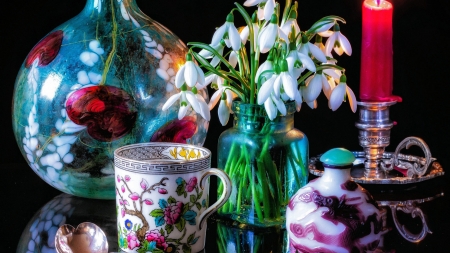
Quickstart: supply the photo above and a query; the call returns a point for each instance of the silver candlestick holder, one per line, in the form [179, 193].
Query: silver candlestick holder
[376, 166]
[374, 135]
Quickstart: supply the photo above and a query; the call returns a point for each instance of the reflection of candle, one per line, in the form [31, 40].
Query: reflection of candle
[376, 52]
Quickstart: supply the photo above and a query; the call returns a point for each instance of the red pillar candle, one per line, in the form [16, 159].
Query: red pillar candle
[376, 52]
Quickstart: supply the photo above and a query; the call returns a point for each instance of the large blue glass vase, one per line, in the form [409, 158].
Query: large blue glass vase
[93, 84]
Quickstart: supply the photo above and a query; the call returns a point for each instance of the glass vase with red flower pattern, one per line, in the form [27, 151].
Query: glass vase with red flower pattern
[93, 84]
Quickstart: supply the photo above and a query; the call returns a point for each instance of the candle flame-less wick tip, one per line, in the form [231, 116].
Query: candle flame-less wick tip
[378, 2]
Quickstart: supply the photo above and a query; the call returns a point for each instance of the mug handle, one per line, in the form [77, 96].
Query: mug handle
[223, 198]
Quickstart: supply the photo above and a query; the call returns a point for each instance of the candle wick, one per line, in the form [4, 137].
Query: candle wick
[378, 3]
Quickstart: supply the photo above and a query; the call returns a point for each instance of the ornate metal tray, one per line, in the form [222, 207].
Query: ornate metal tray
[390, 176]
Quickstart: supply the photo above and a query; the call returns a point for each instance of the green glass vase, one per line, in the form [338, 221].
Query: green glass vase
[93, 84]
[267, 163]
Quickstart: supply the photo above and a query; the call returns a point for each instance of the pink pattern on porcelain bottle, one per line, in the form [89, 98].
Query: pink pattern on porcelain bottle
[332, 213]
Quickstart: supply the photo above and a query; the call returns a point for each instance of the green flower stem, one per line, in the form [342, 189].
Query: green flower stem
[256, 198]
[253, 56]
[222, 239]
[233, 72]
[294, 171]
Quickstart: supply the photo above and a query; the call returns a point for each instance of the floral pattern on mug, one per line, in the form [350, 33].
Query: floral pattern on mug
[171, 215]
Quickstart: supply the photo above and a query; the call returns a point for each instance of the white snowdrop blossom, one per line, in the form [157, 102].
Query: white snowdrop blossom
[339, 93]
[221, 88]
[273, 105]
[338, 42]
[270, 34]
[314, 86]
[291, 24]
[187, 99]
[265, 7]
[203, 108]
[297, 62]
[189, 73]
[265, 68]
[245, 32]
[228, 32]
[307, 48]
[267, 88]
[224, 110]
[286, 82]
[208, 54]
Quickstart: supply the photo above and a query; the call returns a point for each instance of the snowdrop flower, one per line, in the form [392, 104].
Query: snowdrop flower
[224, 111]
[233, 59]
[187, 99]
[267, 88]
[291, 24]
[269, 35]
[265, 66]
[265, 7]
[318, 42]
[221, 88]
[314, 86]
[228, 31]
[297, 62]
[339, 93]
[285, 80]
[273, 105]
[338, 42]
[189, 73]
[298, 100]
[245, 32]
[203, 108]
[307, 48]
[208, 54]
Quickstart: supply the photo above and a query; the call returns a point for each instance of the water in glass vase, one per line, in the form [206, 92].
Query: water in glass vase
[267, 163]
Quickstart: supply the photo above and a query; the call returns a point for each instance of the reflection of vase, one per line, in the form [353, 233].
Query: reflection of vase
[333, 213]
[95, 83]
[39, 234]
[267, 163]
[233, 239]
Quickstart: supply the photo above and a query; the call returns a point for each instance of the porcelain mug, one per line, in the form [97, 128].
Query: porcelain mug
[162, 196]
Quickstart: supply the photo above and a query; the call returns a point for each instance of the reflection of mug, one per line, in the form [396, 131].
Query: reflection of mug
[162, 196]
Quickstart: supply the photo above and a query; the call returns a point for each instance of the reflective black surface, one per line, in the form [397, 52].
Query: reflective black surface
[28, 201]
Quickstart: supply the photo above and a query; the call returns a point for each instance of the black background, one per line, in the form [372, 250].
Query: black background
[421, 78]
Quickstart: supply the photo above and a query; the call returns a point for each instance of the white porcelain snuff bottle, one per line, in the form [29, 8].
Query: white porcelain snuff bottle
[332, 213]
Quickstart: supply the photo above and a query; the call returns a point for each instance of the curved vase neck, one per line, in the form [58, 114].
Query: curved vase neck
[337, 176]
[106, 6]
[253, 118]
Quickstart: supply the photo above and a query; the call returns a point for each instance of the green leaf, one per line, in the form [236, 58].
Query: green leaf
[156, 250]
[186, 248]
[143, 247]
[200, 194]
[157, 213]
[185, 208]
[169, 228]
[180, 225]
[185, 194]
[161, 231]
[171, 200]
[193, 198]
[191, 237]
[180, 189]
[199, 206]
